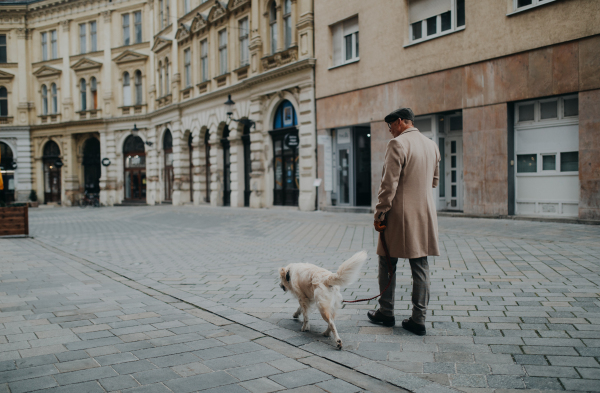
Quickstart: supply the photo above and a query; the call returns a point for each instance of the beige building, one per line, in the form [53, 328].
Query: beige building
[508, 89]
[127, 98]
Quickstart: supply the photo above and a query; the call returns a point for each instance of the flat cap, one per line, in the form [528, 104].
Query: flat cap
[402, 113]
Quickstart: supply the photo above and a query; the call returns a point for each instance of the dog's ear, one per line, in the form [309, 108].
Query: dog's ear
[287, 276]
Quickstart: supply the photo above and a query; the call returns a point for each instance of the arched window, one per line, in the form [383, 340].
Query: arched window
[126, 90]
[285, 155]
[160, 79]
[285, 116]
[44, 100]
[94, 91]
[3, 101]
[287, 22]
[54, 95]
[273, 23]
[167, 87]
[83, 88]
[138, 87]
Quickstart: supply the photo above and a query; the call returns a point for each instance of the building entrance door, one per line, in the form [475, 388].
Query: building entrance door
[91, 164]
[51, 173]
[226, 167]
[168, 174]
[247, 165]
[134, 175]
[454, 173]
[353, 152]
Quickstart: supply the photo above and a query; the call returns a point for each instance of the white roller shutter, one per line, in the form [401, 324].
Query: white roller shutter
[423, 9]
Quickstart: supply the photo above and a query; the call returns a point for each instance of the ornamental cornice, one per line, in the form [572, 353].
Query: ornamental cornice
[305, 21]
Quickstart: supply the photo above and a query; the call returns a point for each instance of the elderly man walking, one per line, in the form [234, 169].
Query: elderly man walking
[406, 215]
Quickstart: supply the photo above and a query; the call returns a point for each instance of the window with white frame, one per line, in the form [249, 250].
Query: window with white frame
[137, 17]
[525, 4]
[160, 79]
[3, 101]
[204, 60]
[126, 35]
[82, 38]
[161, 13]
[93, 37]
[44, 100]
[287, 23]
[83, 94]
[94, 92]
[244, 51]
[139, 98]
[187, 67]
[53, 44]
[54, 95]
[556, 108]
[433, 18]
[273, 26]
[44, 39]
[126, 89]
[3, 48]
[344, 37]
[167, 85]
[223, 51]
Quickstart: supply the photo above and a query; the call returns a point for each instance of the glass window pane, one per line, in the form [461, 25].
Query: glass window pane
[442, 171]
[526, 163]
[460, 13]
[348, 41]
[549, 110]
[571, 107]
[453, 177]
[446, 21]
[453, 162]
[549, 162]
[432, 25]
[523, 3]
[569, 162]
[453, 191]
[526, 112]
[417, 30]
[456, 123]
[356, 36]
[453, 147]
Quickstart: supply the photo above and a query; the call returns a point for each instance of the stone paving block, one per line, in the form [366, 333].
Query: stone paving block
[118, 383]
[71, 355]
[213, 353]
[26, 373]
[115, 359]
[153, 376]
[243, 359]
[507, 369]
[254, 371]
[35, 361]
[338, 386]
[287, 365]
[174, 360]
[505, 381]
[133, 367]
[189, 369]
[233, 388]
[543, 384]
[75, 365]
[87, 387]
[574, 385]
[588, 373]
[207, 381]
[32, 384]
[439, 368]
[155, 388]
[465, 380]
[574, 361]
[261, 385]
[85, 375]
[298, 378]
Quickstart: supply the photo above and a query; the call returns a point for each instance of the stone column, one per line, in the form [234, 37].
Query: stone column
[280, 35]
[69, 171]
[107, 94]
[216, 169]
[236, 150]
[65, 46]
[152, 167]
[258, 158]
[294, 21]
[308, 145]
[589, 154]
[22, 117]
[198, 160]
[181, 190]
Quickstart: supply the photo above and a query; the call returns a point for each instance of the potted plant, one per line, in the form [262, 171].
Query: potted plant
[33, 199]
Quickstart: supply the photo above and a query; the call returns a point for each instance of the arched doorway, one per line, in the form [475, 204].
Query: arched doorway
[207, 164]
[168, 173]
[226, 167]
[190, 151]
[52, 165]
[91, 165]
[134, 156]
[285, 155]
[7, 172]
[247, 165]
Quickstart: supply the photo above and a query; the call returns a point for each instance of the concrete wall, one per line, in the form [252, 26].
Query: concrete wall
[589, 154]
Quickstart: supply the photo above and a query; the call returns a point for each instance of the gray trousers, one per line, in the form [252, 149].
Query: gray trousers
[420, 289]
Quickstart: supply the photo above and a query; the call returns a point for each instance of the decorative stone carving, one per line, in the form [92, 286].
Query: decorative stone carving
[281, 58]
[65, 24]
[199, 22]
[22, 33]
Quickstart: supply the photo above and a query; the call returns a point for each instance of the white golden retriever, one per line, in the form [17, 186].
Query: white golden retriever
[313, 284]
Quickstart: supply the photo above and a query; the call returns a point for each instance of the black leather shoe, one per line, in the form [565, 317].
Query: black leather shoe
[414, 327]
[377, 317]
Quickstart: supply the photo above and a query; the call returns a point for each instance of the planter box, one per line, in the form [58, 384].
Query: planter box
[14, 221]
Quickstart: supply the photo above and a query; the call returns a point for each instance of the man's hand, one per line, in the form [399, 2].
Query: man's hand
[380, 226]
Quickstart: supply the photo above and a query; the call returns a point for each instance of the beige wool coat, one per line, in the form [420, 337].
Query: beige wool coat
[410, 170]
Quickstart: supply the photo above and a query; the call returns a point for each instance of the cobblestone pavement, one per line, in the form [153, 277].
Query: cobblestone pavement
[514, 305]
[67, 325]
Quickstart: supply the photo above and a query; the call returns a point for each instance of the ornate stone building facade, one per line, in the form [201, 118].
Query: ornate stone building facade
[127, 98]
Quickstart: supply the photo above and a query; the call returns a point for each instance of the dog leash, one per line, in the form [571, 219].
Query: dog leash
[390, 273]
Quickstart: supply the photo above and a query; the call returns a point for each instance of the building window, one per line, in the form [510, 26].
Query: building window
[3, 102]
[287, 23]
[526, 4]
[186, 6]
[204, 59]
[167, 86]
[126, 90]
[44, 47]
[273, 26]
[244, 51]
[547, 110]
[345, 42]
[82, 38]
[3, 48]
[126, 39]
[161, 13]
[94, 92]
[93, 35]
[433, 18]
[54, 95]
[138, 88]
[187, 66]
[44, 100]
[167, 13]
[223, 51]
[160, 79]
[83, 95]
[137, 16]
[54, 44]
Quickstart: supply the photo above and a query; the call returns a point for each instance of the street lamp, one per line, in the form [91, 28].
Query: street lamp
[136, 132]
[229, 104]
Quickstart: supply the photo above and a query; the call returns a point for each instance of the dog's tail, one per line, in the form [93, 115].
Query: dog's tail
[348, 272]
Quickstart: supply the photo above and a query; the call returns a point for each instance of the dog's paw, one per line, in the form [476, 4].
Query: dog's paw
[326, 333]
[305, 328]
[339, 343]
[296, 315]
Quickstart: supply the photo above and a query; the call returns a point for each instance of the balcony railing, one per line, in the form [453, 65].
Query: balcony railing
[133, 109]
[50, 118]
[89, 114]
[6, 119]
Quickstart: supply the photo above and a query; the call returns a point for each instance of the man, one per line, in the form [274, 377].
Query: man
[406, 212]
